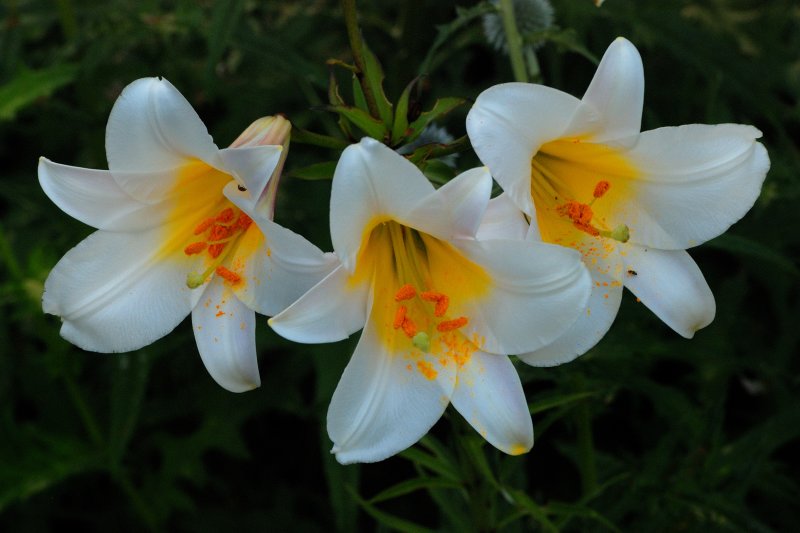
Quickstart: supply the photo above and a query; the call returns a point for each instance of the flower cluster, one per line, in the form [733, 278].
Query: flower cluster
[444, 283]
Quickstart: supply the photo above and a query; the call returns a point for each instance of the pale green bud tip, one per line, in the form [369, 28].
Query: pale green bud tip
[422, 341]
[271, 130]
[194, 280]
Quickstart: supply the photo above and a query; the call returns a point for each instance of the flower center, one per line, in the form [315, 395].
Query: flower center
[562, 173]
[421, 287]
[216, 238]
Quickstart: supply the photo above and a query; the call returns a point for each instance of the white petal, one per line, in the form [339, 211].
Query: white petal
[508, 124]
[617, 92]
[489, 396]
[696, 181]
[672, 286]
[225, 331]
[383, 404]
[591, 326]
[281, 268]
[537, 291]
[116, 293]
[253, 166]
[456, 208]
[371, 182]
[502, 220]
[152, 127]
[94, 198]
[330, 311]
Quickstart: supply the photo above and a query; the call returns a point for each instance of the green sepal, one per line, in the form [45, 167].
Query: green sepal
[400, 124]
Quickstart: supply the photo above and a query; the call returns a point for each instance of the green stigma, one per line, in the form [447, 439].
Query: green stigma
[422, 341]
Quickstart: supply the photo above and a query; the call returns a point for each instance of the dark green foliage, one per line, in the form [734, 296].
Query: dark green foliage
[647, 432]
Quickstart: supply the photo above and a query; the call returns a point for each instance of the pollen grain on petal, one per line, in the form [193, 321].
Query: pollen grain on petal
[426, 369]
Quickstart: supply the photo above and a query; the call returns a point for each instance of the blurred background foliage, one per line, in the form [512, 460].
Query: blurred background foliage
[648, 431]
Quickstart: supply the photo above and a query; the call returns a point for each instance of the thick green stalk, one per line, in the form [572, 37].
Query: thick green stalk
[514, 40]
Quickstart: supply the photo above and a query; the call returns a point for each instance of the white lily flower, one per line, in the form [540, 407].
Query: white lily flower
[630, 202]
[439, 308]
[174, 215]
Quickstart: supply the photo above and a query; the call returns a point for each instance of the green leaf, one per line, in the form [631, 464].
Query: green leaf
[359, 99]
[414, 484]
[440, 108]
[532, 509]
[366, 123]
[576, 510]
[373, 76]
[445, 32]
[743, 246]
[317, 171]
[400, 124]
[30, 85]
[128, 383]
[557, 400]
[224, 20]
[388, 520]
[434, 464]
[309, 137]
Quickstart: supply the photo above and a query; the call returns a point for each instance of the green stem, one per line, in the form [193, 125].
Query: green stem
[136, 500]
[357, 47]
[586, 459]
[514, 40]
[88, 419]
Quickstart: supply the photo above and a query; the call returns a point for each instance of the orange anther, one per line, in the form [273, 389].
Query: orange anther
[577, 212]
[225, 216]
[219, 233]
[441, 306]
[223, 272]
[203, 226]
[406, 292]
[195, 248]
[399, 317]
[244, 221]
[450, 325]
[601, 188]
[409, 328]
[215, 249]
[430, 296]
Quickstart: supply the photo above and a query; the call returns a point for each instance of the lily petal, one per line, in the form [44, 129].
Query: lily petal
[502, 220]
[128, 300]
[489, 396]
[253, 166]
[94, 198]
[617, 92]
[152, 127]
[371, 182]
[382, 404]
[281, 268]
[330, 311]
[538, 291]
[466, 197]
[591, 326]
[670, 283]
[225, 332]
[508, 124]
[685, 170]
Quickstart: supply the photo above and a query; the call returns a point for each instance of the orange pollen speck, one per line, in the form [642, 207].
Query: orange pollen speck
[203, 226]
[220, 313]
[399, 317]
[601, 188]
[426, 369]
[409, 328]
[223, 272]
[450, 325]
[406, 292]
[195, 248]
